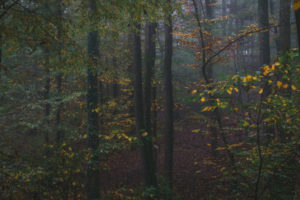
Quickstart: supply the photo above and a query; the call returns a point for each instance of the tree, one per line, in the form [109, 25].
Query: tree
[297, 14]
[168, 93]
[150, 33]
[59, 11]
[0, 55]
[47, 80]
[285, 25]
[264, 36]
[92, 103]
[209, 6]
[146, 148]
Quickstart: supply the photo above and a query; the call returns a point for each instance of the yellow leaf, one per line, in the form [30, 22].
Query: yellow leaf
[235, 76]
[235, 109]
[277, 64]
[248, 77]
[294, 87]
[229, 91]
[237, 90]
[196, 131]
[144, 134]
[218, 102]
[203, 99]
[285, 86]
[270, 82]
[245, 124]
[84, 136]
[279, 84]
[194, 91]
[261, 91]
[204, 109]
[296, 5]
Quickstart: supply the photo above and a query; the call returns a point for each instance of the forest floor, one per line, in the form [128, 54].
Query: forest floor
[195, 169]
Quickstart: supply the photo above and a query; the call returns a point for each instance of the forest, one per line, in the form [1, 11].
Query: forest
[149, 99]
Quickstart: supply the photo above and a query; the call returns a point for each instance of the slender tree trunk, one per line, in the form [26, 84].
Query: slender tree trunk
[92, 116]
[59, 136]
[47, 95]
[154, 119]
[168, 90]
[209, 15]
[149, 65]
[1, 55]
[209, 68]
[297, 14]
[224, 13]
[1, 48]
[273, 12]
[116, 86]
[285, 25]
[264, 36]
[146, 148]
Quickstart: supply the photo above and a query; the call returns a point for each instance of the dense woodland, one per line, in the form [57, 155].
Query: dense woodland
[149, 99]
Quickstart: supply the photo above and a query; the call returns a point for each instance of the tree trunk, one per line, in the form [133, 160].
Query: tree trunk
[168, 90]
[285, 25]
[116, 86]
[59, 136]
[275, 29]
[209, 15]
[224, 13]
[47, 95]
[92, 116]
[264, 35]
[149, 65]
[1, 56]
[146, 148]
[297, 14]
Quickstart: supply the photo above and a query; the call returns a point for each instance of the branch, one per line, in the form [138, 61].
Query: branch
[234, 41]
[202, 42]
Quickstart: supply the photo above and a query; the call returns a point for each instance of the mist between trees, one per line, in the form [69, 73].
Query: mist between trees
[149, 99]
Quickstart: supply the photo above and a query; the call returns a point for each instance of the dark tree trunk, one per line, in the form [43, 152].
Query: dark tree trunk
[1, 55]
[168, 90]
[146, 148]
[285, 25]
[47, 95]
[264, 35]
[116, 86]
[154, 120]
[92, 116]
[209, 68]
[209, 15]
[297, 14]
[273, 12]
[224, 13]
[1, 48]
[59, 136]
[149, 65]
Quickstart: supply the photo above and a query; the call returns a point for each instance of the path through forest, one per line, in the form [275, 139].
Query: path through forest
[195, 170]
